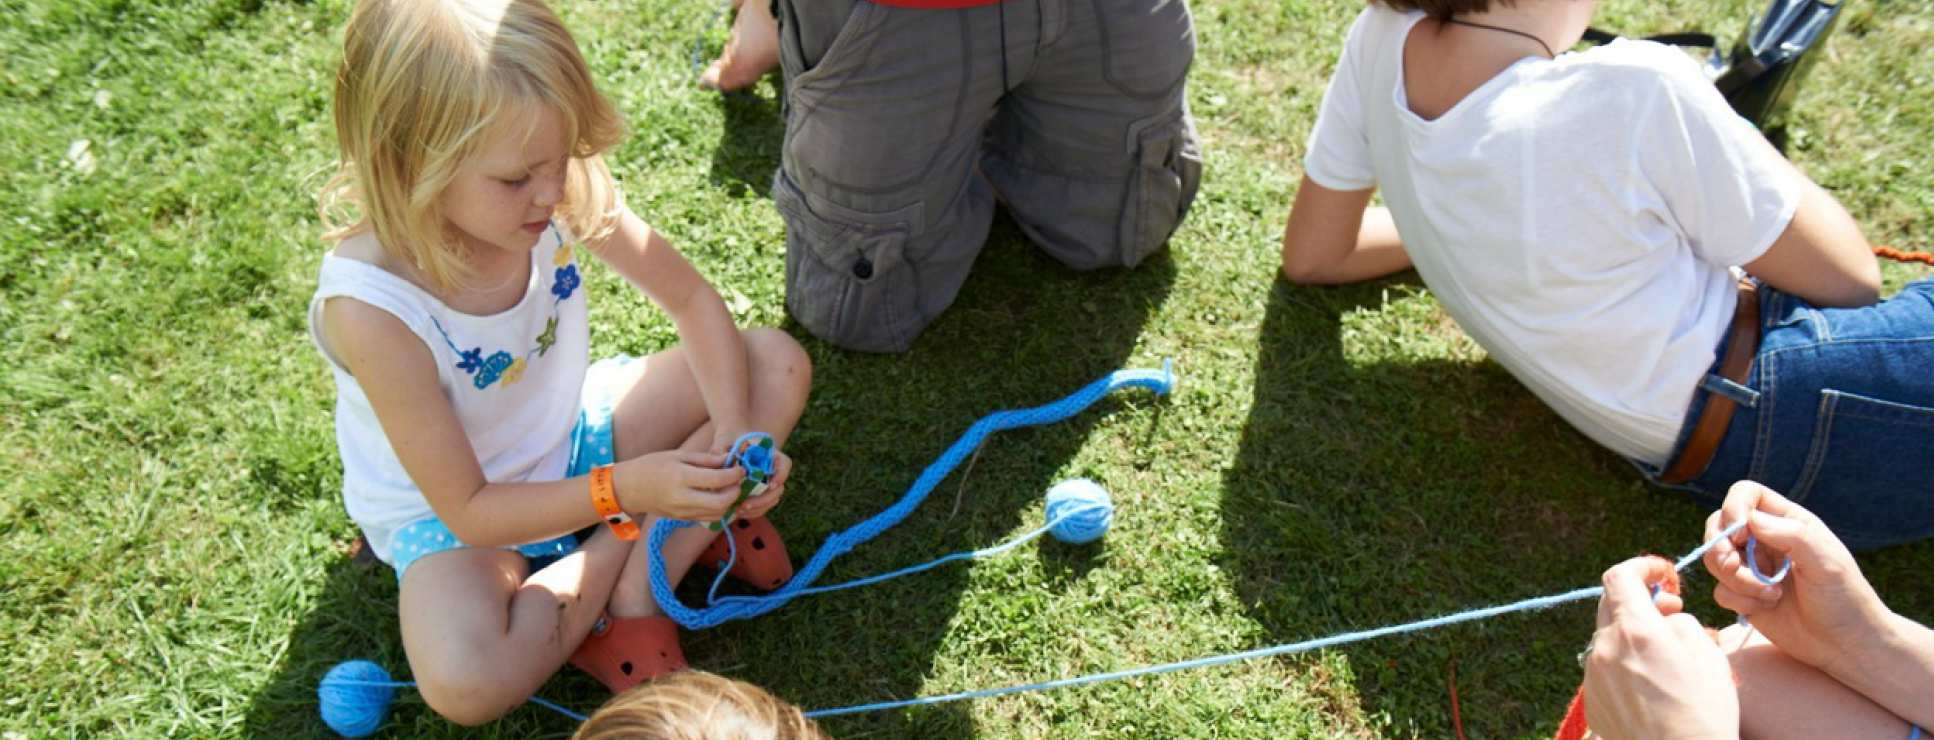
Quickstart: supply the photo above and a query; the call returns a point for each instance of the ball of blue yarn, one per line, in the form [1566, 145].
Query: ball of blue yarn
[1080, 509]
[355, 697]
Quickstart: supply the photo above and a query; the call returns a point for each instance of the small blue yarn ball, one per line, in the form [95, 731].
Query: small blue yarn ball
[1086, 507]
[355, 697]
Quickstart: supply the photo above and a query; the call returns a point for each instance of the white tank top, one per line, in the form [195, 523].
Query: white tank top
[513, 378]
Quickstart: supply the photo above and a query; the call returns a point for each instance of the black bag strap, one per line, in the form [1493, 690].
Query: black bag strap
[1683, 38]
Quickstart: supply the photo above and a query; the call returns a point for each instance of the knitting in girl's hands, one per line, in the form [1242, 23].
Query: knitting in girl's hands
[754, 454]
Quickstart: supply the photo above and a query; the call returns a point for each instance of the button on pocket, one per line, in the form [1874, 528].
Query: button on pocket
[845, 282]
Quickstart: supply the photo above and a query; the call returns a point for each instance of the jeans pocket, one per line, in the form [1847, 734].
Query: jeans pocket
[844, 276]
[1168, 171]
[1863, 474]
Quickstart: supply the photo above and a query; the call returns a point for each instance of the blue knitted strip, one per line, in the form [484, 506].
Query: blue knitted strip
[1159, 381]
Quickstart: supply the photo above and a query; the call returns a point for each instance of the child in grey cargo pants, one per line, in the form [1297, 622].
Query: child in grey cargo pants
[904, 124]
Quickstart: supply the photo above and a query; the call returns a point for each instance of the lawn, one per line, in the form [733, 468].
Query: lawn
[173, 550]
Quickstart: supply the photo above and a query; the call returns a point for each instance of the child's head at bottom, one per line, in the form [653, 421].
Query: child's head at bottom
[695, 705]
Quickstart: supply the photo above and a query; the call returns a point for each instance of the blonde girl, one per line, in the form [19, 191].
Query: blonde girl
[481, 449]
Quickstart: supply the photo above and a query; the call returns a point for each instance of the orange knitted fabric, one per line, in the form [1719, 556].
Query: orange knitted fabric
[1573, 726]
[1900, 256]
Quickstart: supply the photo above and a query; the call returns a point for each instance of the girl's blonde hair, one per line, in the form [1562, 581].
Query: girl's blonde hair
[695, 705]
[422, 85]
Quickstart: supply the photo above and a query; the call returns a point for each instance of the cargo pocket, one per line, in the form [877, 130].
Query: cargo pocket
[1168, 169]
[1861, 475]
[818, 44]
[845, 280]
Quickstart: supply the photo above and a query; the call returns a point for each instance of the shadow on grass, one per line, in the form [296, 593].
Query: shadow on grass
[354, 617]
[1025, 331]
[874, 422]
[1380, 492]
[1377, 493]
[747, 153]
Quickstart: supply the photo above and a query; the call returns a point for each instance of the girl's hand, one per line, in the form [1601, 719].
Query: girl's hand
[1824, 607]
[681, 485]
[1653, 672]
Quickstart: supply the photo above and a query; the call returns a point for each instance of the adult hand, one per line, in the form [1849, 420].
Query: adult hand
[1653, 671]
[678, 484]
[1823, 608]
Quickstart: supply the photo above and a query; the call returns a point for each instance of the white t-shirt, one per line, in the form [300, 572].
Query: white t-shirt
[514, 379]
[1577, 217]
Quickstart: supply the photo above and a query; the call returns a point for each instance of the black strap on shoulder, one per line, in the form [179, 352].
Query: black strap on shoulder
[1684, 38]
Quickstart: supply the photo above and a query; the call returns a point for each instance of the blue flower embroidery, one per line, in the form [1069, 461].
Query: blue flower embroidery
[502, 365]
[472, 360]
[567, 281]
[493, 368]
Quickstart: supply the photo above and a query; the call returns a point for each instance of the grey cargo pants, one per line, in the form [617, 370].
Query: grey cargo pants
[904, 125]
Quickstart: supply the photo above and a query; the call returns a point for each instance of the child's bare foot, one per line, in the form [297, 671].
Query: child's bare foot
[750, 52]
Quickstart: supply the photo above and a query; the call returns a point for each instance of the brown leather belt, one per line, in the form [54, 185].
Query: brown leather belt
[1742, 344]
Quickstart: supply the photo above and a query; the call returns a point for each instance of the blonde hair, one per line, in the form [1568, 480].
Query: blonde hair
[422, 85]
[695, 705]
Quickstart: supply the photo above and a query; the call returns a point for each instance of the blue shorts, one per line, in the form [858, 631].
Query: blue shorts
[590, 447]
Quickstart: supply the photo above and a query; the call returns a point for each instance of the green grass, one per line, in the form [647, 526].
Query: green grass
[172, 543]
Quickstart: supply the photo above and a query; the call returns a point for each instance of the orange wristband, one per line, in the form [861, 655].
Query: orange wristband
[605, 499]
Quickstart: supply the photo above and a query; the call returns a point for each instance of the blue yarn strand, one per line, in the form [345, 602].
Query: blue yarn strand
[936, 562]
[1159, 381]
[1752, 564]
[733, 456]
[1542, 602]
[557, 708]
[377, 715]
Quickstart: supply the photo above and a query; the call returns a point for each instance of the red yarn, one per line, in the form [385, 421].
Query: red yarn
[1573, 726]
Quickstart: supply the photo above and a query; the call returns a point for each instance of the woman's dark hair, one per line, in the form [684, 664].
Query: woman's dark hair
[1441, 9]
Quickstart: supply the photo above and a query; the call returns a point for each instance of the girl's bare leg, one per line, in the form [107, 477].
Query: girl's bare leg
[664, 399]
[1780, 697]
[483, 633]
[482, 636]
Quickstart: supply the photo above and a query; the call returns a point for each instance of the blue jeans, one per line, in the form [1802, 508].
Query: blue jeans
[1837, 414]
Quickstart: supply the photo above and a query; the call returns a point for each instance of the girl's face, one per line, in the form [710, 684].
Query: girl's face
[504, 196]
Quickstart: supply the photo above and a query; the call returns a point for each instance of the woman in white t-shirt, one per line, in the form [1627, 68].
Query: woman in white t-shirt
[1581, 215]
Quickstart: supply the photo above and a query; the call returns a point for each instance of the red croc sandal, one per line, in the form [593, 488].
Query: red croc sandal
[622, 653]
[762, 563]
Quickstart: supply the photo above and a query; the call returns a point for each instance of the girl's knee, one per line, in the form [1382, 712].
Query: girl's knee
[778, 361]
[469, 695]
